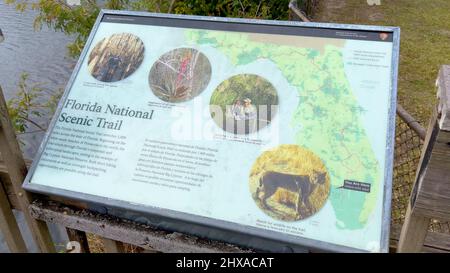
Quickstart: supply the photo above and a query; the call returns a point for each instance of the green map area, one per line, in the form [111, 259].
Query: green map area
[328, 113]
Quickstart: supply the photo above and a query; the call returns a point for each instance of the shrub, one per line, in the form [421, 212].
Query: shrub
[78, 20]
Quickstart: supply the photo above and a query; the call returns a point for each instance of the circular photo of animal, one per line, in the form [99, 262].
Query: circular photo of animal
[180, 75]
[116, 57]
[244, 104]
[289, 183]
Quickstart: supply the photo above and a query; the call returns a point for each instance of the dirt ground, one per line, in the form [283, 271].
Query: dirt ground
[425, 41]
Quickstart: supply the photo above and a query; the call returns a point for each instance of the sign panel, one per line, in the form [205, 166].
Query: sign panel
[282, 130]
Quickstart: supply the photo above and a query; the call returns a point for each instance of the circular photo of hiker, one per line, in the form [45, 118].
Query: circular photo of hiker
[180, 75]
[244, 104]
[289, 183]
[116, 57]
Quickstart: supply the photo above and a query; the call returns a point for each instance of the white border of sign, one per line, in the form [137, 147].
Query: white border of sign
[220, 225]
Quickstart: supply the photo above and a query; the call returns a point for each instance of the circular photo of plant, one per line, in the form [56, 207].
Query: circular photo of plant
[289, 183]
[244, 104]
[180, 75]
[116, 57]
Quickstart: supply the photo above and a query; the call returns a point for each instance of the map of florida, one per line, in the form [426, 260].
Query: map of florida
[328, 112]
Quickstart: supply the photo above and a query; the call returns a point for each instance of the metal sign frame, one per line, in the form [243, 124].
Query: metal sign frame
[171, 219]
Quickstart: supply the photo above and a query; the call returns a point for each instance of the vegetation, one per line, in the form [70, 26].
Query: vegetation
[425, 40]
[116, 57]
[269, 9]
[31, 103]
[180, 75]
[78, 20]
[240, 87]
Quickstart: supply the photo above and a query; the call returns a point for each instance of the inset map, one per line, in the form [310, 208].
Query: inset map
[289, 183]
[180, 75]
[116, 57]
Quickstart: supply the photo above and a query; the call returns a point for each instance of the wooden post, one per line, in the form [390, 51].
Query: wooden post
[8, 225]
[80, 237]
[294, 8]
[430, 197]
[17, 170]
[414, 232]
[112, 246]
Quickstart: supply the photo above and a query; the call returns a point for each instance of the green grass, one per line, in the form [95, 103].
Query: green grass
[425, 42]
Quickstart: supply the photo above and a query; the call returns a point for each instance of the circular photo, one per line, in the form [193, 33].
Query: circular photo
[244, 104]
[116, 57]
[180, 75]
[289, 183]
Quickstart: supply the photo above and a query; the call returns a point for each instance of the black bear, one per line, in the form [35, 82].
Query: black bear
[303, 185]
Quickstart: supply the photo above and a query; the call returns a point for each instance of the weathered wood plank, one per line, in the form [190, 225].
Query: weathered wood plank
[424, 156]
[6, 182]
[112, 246]
[433, 192]
[15, 164]
[414, 232]
[294, 11]
[434, 242]
[9, 227]
[415, 228]
[113, 228]
[4, 179]
[430, 197]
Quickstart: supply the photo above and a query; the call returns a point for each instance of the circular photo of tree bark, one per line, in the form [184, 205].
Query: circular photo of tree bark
[289, 183]
[244, 104]
[116, 57]
[180, 75]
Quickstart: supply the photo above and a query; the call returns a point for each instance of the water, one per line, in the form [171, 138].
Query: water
[42, 54]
